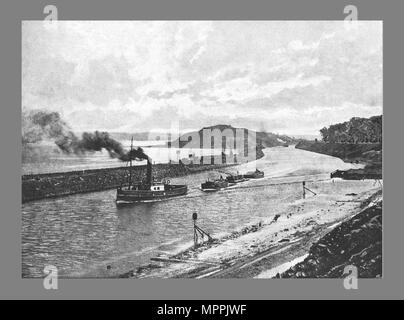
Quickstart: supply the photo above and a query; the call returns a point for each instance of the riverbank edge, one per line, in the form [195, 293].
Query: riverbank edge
[54, 185]
[59, 184]
[365, 206]
[356, 242]
[368, 154]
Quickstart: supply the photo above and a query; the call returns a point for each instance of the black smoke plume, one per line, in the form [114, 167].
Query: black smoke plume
[41, 125]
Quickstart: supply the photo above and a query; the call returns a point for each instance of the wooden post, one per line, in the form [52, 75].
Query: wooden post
[130, 162]
[304, 190]
[201, 232]
[195, 236]
[194, 218]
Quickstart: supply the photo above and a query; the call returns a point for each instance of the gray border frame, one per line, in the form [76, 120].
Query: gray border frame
[11, 283]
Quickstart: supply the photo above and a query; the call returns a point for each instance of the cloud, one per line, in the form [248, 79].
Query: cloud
[139, 75]
[298, 45]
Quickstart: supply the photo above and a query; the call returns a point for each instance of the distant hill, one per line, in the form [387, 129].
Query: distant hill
[264, 139]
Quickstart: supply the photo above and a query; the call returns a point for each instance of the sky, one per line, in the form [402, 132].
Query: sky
[289, 77]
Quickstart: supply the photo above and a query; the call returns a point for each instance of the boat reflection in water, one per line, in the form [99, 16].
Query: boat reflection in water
[149, 189]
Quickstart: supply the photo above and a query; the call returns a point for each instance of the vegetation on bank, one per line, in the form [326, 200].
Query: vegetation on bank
[358, 241]
[356, 130]
[357, 141]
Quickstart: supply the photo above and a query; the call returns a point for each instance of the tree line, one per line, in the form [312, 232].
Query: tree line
[356, 130]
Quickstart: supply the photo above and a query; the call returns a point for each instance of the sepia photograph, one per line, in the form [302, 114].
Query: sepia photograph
[202, 149]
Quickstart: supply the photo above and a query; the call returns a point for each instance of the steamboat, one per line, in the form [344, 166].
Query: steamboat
[149, 189]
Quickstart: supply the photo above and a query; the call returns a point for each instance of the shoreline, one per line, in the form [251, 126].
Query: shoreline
[368, 154]
[254, 250]
[355, 242]
[54, 185]
[59, 184]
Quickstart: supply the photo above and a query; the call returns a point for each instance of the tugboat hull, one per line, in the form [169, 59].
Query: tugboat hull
[254, 175]
[124, 196]
[211, 186]
[150, 189]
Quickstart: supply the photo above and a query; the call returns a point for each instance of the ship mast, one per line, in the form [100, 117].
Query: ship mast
[130, 162]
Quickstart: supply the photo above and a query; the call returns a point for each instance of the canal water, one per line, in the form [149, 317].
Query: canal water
[82, 234]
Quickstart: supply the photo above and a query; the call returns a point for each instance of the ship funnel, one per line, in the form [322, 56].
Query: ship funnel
[149, 171]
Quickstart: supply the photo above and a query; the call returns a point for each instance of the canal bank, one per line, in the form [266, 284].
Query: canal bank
[263, 249]
[368, 154]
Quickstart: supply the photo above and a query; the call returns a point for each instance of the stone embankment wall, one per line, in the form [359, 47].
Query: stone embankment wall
[51, 185]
